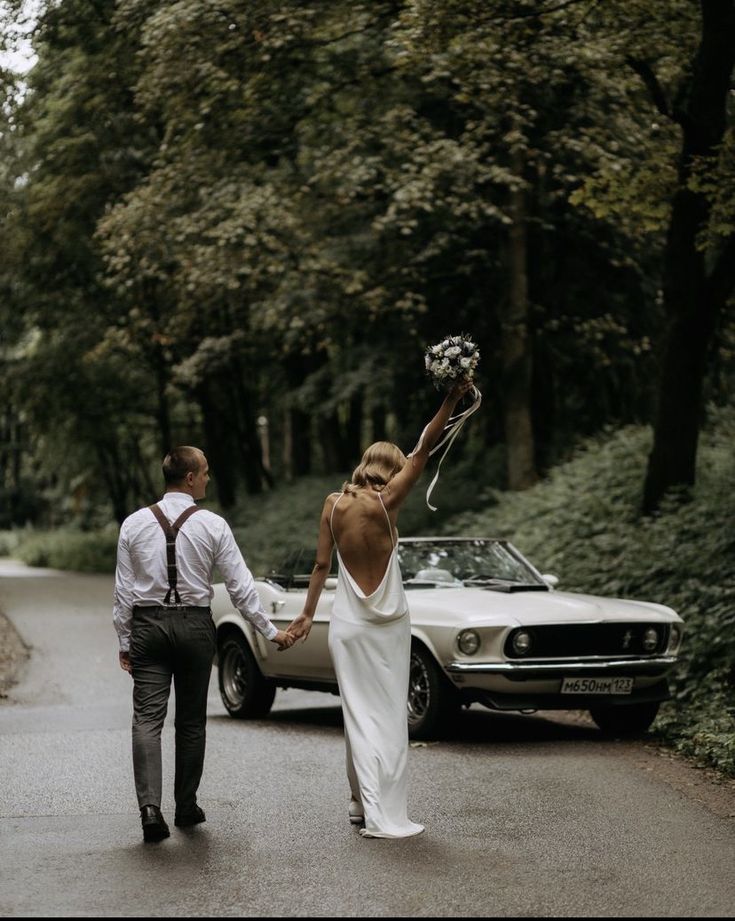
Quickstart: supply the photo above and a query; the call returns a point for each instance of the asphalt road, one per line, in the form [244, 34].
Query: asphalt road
[525, 815]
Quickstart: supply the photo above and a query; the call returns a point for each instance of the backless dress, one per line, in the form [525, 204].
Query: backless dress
[370, 645]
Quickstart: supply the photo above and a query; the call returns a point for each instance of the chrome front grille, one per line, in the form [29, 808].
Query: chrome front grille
[565, 641]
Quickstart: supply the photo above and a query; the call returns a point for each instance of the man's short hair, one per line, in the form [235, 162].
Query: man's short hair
[180, 461]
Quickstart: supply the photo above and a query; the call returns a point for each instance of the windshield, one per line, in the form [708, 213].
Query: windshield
[463, 562]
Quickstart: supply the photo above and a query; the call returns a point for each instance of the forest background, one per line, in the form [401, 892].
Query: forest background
[238, 224]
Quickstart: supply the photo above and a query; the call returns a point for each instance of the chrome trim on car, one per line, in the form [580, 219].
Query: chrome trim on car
[562, 665]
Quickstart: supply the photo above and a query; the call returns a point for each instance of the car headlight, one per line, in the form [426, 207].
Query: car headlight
[468, 642]
[521, 642]
[675, 634]
[650, 639]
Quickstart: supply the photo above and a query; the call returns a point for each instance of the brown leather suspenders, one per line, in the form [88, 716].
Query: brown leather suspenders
[171, 531]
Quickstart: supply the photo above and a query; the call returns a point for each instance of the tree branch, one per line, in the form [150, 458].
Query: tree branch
[645, 72]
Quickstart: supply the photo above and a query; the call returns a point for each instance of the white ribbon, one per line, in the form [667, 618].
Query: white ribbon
[451, 430]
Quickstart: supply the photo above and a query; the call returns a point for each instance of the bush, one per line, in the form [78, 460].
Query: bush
[583, 524]
[9, 541]
[92, 551]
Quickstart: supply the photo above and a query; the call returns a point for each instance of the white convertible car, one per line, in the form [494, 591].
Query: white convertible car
[487, 627]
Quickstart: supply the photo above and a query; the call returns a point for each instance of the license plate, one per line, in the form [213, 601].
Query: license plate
[596, 685]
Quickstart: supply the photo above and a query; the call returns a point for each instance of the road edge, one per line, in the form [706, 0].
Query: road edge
[14, 655]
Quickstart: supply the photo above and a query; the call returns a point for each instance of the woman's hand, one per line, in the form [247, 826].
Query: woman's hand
[299, 627]
[459, 389]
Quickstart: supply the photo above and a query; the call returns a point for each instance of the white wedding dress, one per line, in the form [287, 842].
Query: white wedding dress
[370, 645]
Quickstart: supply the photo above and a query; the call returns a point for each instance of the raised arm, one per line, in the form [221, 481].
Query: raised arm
[400, 486]
[301, 625]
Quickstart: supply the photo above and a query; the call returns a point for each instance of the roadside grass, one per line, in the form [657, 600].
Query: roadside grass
[582, 522]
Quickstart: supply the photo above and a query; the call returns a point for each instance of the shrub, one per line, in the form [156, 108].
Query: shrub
[583, 523]
[9, 541]
[92, 551]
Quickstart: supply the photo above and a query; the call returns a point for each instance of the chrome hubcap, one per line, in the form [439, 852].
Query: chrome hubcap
[419, 691]
[234, 676]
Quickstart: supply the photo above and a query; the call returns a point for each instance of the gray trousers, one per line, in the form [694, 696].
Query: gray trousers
[166, 643]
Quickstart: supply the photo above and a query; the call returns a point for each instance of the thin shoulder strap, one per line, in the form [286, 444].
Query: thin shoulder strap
[390, 526]
[331, 516]
[171, 531]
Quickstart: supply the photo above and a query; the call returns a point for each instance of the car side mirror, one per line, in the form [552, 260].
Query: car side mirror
[551, 579]
[330, 583]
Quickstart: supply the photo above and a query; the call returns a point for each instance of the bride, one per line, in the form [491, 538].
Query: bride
[369, 631]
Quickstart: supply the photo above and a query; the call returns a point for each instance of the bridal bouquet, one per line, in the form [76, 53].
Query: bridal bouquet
[453, 359]
[450, 360]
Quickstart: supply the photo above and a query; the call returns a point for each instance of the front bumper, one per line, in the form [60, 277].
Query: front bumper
[536, 685]
[559, 668]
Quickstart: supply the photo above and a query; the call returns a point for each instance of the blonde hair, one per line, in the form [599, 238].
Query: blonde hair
[379, 464]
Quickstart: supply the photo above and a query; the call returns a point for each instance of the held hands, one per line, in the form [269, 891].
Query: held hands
[299, 627]
[283, 640]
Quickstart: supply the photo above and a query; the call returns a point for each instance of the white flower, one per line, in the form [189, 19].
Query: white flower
[452, 359]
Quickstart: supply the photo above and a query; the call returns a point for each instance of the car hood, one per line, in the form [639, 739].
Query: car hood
[482, 606]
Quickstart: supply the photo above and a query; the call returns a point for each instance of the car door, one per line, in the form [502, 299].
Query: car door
[307, 660]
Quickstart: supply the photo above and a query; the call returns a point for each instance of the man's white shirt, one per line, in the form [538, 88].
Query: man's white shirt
[204, 541]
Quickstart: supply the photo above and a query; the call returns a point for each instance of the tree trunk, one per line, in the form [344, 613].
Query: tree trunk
[112, 468]
[300, 428]
[217, 448]
[377, 418]
[350, 446]
[329, 440]
[297, 368]
[692, 298]
[248, 439]
[516, 349]
[163, 415]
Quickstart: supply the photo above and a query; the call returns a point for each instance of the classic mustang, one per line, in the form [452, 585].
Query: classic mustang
[486, 627]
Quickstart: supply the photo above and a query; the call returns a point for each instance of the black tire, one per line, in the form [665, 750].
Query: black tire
[432, 700]
[246, 694]
[626, 719]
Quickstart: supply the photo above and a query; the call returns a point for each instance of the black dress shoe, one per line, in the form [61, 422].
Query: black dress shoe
[187, 817]
[154, 824]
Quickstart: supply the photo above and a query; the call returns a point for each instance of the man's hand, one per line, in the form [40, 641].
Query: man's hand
[299, 627]
[283, 640]
[125, 664]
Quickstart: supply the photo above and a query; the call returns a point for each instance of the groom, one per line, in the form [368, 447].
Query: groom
[166, 556]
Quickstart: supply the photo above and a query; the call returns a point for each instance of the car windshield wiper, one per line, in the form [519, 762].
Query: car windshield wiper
[505, 585]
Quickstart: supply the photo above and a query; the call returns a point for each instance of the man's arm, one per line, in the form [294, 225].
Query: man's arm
[122, 609]
[241, 589]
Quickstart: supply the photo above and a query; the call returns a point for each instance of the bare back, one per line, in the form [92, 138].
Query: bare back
[361, 532]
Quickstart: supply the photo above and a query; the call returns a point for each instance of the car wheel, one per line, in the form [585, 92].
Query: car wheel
[431, 699]
[625, 720]
[245, 693]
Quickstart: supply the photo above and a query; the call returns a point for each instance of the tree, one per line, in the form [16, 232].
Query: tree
[698, 279]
